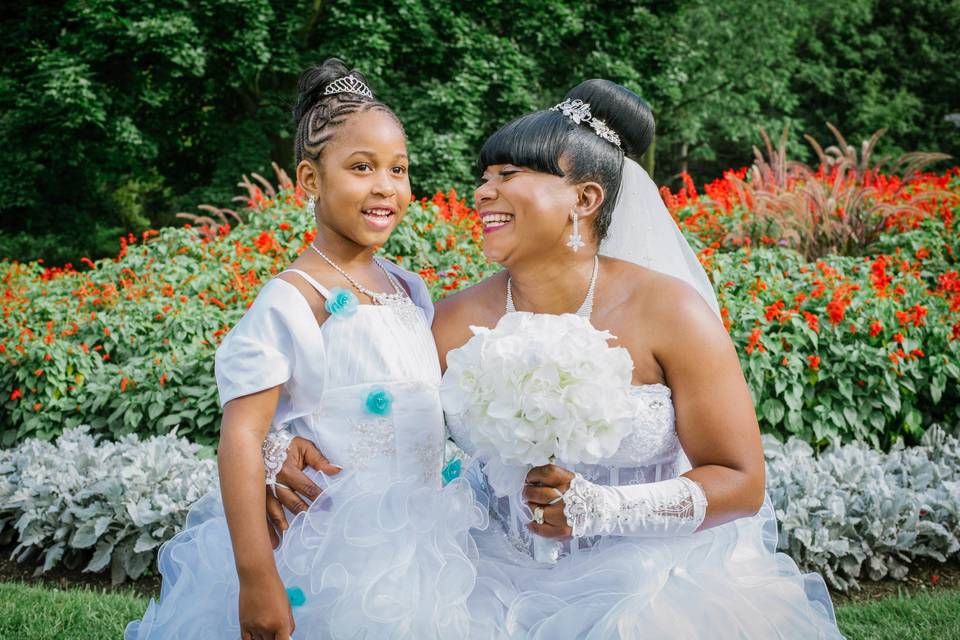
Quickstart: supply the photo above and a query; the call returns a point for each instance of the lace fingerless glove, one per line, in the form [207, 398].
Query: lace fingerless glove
[674, 507]
[274, 453]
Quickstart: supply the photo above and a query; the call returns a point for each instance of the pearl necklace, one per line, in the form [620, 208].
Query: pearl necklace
[585, 309]
[399, 296]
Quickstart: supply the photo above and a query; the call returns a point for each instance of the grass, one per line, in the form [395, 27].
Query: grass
[905, 617]
[30, 612]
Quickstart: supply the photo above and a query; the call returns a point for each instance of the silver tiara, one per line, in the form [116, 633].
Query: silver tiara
[579, 111]
[348, 84]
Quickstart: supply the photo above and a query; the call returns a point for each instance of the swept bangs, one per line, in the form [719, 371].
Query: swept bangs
[536, 141]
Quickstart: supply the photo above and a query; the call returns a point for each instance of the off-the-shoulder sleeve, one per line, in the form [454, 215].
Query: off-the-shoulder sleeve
[269, 346]
[415, 285]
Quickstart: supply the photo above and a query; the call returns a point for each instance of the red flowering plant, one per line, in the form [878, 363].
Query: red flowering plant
[127, 344]
[860, 346]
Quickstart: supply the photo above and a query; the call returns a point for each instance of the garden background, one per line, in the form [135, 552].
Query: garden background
[834, 257]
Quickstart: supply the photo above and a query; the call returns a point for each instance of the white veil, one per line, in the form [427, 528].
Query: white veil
[643, 232]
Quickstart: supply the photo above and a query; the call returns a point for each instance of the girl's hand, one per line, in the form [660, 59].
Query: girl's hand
[544, 490]
[265, 612]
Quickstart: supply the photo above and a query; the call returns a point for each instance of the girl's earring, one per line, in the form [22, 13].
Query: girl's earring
[311, 205]
[576, 240]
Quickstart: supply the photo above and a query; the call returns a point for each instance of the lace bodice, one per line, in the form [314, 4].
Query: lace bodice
[650, 453]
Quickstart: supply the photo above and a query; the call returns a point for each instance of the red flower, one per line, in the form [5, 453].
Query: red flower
[875, 328]
[898, 337]
[813, 321]
[814, 362]
[754, 341]
[123, 384]
[16, 395]
[37, 406]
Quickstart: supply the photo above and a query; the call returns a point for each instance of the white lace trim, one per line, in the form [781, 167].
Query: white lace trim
[274, 451]
[646, 509]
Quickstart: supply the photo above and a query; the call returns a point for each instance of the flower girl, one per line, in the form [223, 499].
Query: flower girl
[337, 349]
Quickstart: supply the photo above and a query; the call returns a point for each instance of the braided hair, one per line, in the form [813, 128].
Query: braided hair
[318, 115]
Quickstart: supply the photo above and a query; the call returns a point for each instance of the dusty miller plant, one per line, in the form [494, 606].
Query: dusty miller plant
[95, 505]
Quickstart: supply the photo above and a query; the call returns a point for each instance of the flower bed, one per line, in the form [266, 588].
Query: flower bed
[858, 347]
[127, 345]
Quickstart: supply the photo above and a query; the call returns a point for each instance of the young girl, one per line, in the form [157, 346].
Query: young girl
[337, 350]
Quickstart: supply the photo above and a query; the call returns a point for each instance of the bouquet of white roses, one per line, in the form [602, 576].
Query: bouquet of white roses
[538, 389]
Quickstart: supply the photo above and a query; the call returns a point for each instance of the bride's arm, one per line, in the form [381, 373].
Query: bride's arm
[716, 425]
[716, 422]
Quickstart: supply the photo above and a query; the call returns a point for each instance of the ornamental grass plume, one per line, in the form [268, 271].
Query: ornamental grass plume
[842, 207]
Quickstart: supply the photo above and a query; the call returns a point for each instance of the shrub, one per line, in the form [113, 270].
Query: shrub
[850, 513]
[78, 502]
[853, 512]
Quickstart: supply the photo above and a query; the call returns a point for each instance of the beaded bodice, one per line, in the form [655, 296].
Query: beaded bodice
[650, 453]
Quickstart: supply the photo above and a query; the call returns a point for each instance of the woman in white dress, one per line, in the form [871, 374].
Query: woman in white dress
[671, 537]
[337, 352]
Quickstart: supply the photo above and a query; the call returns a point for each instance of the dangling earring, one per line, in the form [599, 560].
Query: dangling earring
[576, 241]
[311, 205]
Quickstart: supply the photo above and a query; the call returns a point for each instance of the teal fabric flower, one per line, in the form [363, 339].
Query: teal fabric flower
[379, 402]
[296, 596]
[341, 303]
[451, 471]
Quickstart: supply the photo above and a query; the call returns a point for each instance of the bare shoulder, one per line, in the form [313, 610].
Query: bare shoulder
[665, 308]
[478, 305]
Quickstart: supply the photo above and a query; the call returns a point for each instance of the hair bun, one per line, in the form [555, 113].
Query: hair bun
[622, 110]
[315, 79]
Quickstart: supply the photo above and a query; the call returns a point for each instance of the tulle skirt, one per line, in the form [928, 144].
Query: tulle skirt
[372, 558]
[723, 582]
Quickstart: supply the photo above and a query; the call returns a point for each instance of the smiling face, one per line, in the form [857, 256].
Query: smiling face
[360, 182]
[526, 214]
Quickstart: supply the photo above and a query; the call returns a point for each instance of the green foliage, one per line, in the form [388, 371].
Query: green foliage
[116, 115]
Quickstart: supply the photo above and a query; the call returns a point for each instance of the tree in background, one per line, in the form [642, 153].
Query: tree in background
[115, 115]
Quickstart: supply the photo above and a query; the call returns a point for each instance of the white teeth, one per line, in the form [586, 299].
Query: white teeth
[378, 212]
[496, 218]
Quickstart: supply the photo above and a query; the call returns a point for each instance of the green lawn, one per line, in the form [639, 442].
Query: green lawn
[38, 613]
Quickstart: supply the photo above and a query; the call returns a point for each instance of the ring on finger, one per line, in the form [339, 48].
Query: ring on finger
[538, 515]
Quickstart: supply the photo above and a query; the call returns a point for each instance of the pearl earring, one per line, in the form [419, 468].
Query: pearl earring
[311, 205]
[576, 240]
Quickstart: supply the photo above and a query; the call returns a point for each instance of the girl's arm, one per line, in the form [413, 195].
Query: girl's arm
[264, 607]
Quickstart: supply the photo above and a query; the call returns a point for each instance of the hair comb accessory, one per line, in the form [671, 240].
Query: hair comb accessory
[348, 84]
[579, 112]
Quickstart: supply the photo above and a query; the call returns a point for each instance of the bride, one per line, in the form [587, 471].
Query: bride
[672, 536]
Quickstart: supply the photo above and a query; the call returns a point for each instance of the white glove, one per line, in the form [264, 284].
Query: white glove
[674, 507]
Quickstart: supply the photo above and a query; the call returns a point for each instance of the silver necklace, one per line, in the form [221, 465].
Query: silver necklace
[585, 309]
[399, 296]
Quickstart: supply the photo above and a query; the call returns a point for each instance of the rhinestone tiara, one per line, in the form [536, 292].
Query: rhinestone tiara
[579, 111]
[348, 84]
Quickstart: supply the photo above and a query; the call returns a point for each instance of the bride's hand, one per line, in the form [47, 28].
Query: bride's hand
[300, 454]
[544, 489]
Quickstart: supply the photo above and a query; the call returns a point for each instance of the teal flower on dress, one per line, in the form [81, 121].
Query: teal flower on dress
[451, 471]
[341, 303]
[379, 402]
[296, 596]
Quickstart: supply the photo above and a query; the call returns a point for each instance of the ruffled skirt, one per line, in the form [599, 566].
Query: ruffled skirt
[372, 558]
[723, 582]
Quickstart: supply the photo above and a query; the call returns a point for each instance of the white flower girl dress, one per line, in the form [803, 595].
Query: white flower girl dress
[384, 552]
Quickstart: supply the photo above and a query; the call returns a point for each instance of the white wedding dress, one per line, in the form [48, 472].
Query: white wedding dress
[384, 552]
[724, 582]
